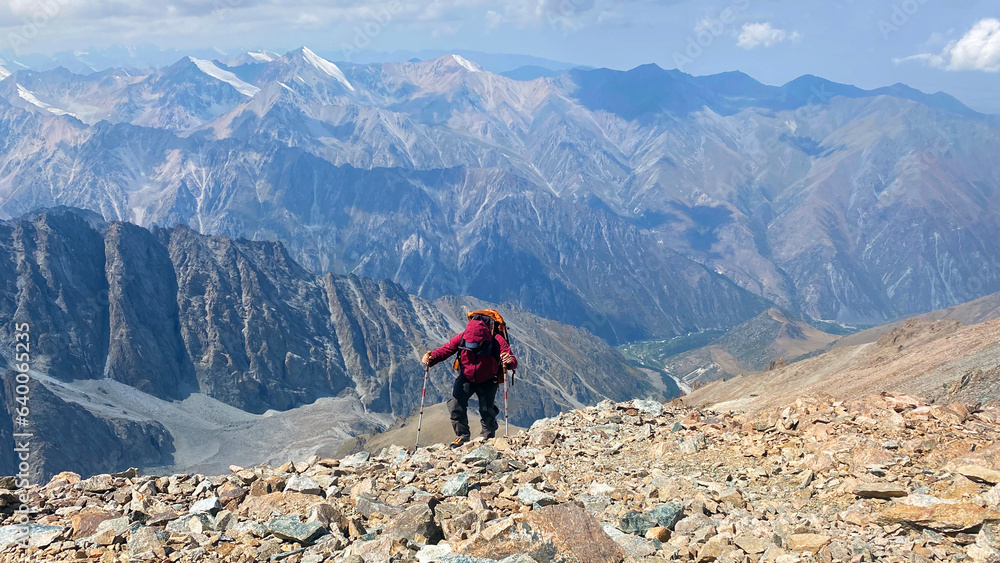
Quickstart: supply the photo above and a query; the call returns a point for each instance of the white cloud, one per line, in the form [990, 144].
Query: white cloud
[307, 19]
[763, 34]
[978, 49]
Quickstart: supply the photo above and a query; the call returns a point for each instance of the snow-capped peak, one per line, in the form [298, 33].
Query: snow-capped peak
[4, 73]
[326, 67]
[466, 63]
[209, 68]
[262, 56]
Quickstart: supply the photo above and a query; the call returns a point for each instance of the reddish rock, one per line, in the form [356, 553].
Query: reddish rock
[575, 533]
[940, 517]
[85, 522]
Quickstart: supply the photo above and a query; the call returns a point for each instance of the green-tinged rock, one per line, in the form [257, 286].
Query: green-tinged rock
[457, 486]
[635, 523]
[290, 528]
[666, 515]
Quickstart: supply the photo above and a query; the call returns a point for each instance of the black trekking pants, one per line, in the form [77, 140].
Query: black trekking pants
[459, 404]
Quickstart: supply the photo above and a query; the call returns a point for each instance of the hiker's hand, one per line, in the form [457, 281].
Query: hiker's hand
[426, 360]
[507, 359]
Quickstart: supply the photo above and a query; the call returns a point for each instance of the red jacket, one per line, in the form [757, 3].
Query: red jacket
[477, 368]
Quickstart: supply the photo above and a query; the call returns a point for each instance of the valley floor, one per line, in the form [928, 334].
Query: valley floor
[209, 436]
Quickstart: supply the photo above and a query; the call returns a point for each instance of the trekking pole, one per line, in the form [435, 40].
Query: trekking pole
[506, 419]
[423, 394]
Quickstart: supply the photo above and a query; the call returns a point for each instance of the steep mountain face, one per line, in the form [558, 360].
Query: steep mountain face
[833, 202]
[488, 233]
[170, 313]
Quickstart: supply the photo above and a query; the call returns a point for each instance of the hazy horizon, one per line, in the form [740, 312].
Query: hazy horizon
[931, 46]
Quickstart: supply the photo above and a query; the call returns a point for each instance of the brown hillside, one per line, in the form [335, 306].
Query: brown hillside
[941, 360]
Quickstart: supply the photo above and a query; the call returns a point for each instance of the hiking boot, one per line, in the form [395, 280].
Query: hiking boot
[459, 441]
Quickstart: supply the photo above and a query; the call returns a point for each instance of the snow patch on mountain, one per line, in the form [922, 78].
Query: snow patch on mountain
[210, 69]
[326, 66]
[29, 96]
[4, 73]
[466, 63]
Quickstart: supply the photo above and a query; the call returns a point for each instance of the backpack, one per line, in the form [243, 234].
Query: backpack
[494, 321]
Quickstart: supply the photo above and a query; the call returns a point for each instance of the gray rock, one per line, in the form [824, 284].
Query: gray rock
[249, 528]
[96, 484]
[650, 406]
[530, 496]
[691, 524]
[146, 540]
[457, 486]
[454, 558]
[433, 553]
[118, 525]
[356, 460]
[34, 535]
[610, 530]
[366, 505]
[519, 558]
[206, 506]
[290, 528]
[416, 524]
[223, 520]
[480, 456]
[637, 547]
[304, 485]
[198, 523]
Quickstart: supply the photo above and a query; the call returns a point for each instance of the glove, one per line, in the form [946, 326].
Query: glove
[426, 360]
[507, 360]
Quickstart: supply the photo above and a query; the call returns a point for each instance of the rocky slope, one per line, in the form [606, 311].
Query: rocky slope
[882, 478]
[601, 188]
[942, 360]
[150, 330]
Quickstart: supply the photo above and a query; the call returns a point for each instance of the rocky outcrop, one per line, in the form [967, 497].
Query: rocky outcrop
[884, 478]
[145, 348]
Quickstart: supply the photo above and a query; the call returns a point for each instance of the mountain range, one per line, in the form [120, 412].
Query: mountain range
[146, 345]
[638, 204]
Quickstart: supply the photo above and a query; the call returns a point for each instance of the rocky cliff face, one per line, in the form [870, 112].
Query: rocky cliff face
[170, 312]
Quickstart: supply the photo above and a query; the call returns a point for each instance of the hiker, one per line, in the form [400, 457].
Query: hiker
[483, 354]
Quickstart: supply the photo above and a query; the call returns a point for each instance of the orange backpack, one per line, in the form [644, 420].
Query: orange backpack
[495, 321]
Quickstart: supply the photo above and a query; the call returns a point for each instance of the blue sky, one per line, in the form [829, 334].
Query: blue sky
[949, 45]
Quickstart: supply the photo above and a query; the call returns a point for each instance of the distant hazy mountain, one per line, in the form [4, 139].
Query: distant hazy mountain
[639, 204]
[170, 313]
